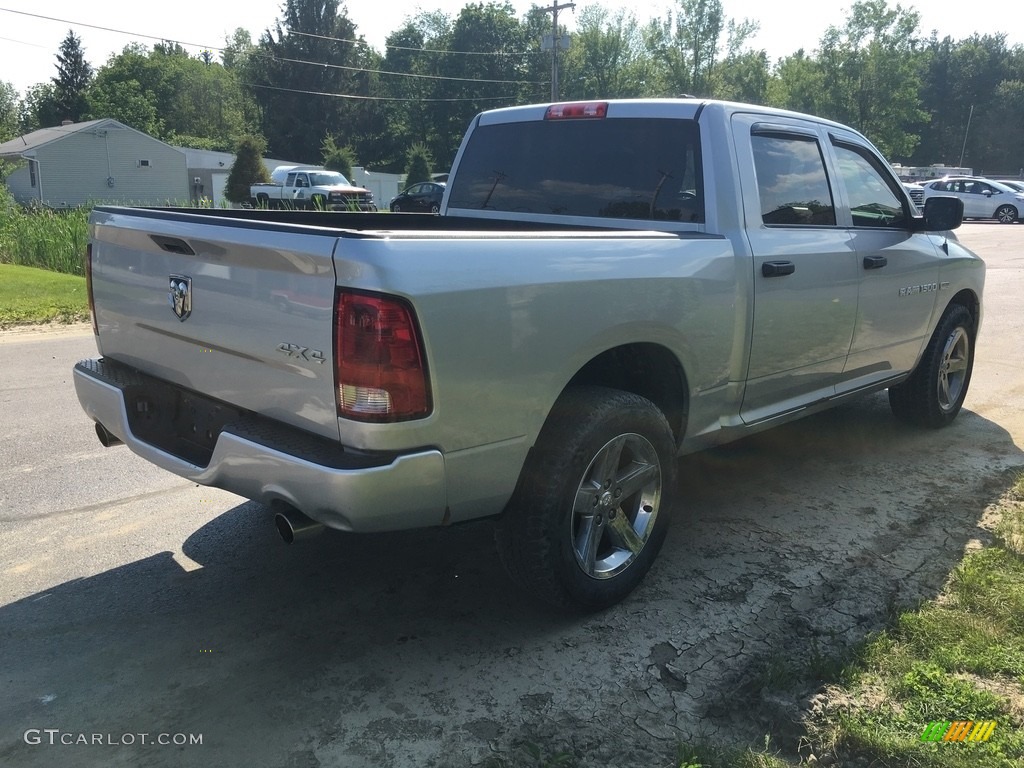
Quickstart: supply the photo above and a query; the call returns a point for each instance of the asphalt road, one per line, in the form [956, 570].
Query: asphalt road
[132, 602]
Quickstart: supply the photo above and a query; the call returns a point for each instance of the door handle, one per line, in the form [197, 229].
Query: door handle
[173, 245]
[777, 268]
[875, 262]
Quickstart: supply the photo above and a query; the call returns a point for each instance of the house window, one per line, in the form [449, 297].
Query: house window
[32, 172]
[143, 163]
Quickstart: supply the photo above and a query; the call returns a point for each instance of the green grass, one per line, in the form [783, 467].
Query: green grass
[960, 657]
[711, 756]
[29, 295]
[41, 264]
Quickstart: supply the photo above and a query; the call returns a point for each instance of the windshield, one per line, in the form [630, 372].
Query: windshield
[327, 179]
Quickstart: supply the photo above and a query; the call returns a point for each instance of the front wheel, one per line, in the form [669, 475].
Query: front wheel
[935, 392]
[594, 500]
[1006, 214]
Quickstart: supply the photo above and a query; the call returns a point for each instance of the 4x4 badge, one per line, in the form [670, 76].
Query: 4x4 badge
[181, 296]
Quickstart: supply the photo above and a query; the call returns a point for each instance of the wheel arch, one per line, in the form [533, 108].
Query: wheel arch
[646, 369]
[969, 300]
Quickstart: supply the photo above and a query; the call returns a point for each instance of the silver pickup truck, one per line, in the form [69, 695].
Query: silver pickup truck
[611, 284]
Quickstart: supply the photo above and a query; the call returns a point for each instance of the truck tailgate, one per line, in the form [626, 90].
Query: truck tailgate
[252, 322]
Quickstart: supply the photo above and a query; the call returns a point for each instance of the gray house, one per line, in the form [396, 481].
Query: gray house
[99, 161]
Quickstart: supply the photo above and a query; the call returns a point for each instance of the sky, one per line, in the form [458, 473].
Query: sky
[28, 45]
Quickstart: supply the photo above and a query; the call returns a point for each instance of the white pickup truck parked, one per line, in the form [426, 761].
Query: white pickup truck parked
[610, 285]
[311, 188]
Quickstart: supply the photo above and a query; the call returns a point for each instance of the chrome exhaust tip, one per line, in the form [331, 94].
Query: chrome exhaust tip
[107, 440]
[292, 524]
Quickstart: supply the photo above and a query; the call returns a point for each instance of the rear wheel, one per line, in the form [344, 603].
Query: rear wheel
[1006, 214]
[935, 392]
[435, 207]
[593, 503]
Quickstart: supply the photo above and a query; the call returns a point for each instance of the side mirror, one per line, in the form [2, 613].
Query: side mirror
[943, 213]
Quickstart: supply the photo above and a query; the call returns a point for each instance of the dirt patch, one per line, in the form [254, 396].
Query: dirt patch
[45, 330]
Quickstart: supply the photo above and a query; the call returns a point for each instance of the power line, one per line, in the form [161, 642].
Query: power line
[270, 56]
[373, 98]
[22, 42]
[273, 57]
[417, 50]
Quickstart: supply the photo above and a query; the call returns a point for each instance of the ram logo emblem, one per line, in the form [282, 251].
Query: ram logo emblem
[180, 296]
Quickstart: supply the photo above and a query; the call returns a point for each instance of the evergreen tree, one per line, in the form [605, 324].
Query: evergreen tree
[248, 169]
[417, 168]
[335, 158]
[74, 74]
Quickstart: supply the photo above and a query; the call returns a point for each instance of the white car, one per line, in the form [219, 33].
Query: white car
[1016, 185]
[982, 198]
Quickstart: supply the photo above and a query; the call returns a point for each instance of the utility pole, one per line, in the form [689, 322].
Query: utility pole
[966, 131]
[553, 10]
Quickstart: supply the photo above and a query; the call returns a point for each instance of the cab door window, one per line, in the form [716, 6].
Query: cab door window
[873, 203]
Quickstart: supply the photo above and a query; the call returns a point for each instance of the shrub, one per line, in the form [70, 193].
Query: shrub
[248, 169]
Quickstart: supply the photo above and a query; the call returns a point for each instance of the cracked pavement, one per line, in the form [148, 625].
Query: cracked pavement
[133, 603]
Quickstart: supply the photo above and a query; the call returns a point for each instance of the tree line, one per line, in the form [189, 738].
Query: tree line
[311, 82]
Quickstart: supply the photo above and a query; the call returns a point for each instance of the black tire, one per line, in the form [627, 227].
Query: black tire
[935, 392]
[435, 208]
[396, 208]
[318, 203]
[1005, 214]
[262, 201]
[593, 502]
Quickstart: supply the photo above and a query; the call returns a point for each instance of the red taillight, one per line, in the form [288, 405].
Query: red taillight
[380, 373]
[577, 111]
[88, 289]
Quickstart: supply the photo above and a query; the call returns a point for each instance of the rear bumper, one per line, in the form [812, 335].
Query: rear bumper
[270, 462]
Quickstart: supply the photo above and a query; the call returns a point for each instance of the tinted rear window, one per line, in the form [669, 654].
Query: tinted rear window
[610, 168]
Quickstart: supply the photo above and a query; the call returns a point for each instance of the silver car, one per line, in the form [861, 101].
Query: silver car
[982, 198]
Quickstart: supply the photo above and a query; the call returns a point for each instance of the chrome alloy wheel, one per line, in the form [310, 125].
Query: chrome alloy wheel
[1006, 214]
[616, 506]
[953, 368]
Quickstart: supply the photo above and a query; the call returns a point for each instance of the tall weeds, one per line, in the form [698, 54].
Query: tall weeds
[49, 239]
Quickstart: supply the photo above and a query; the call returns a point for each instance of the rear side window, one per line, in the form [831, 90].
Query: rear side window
[791, 180]
[627, 168]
